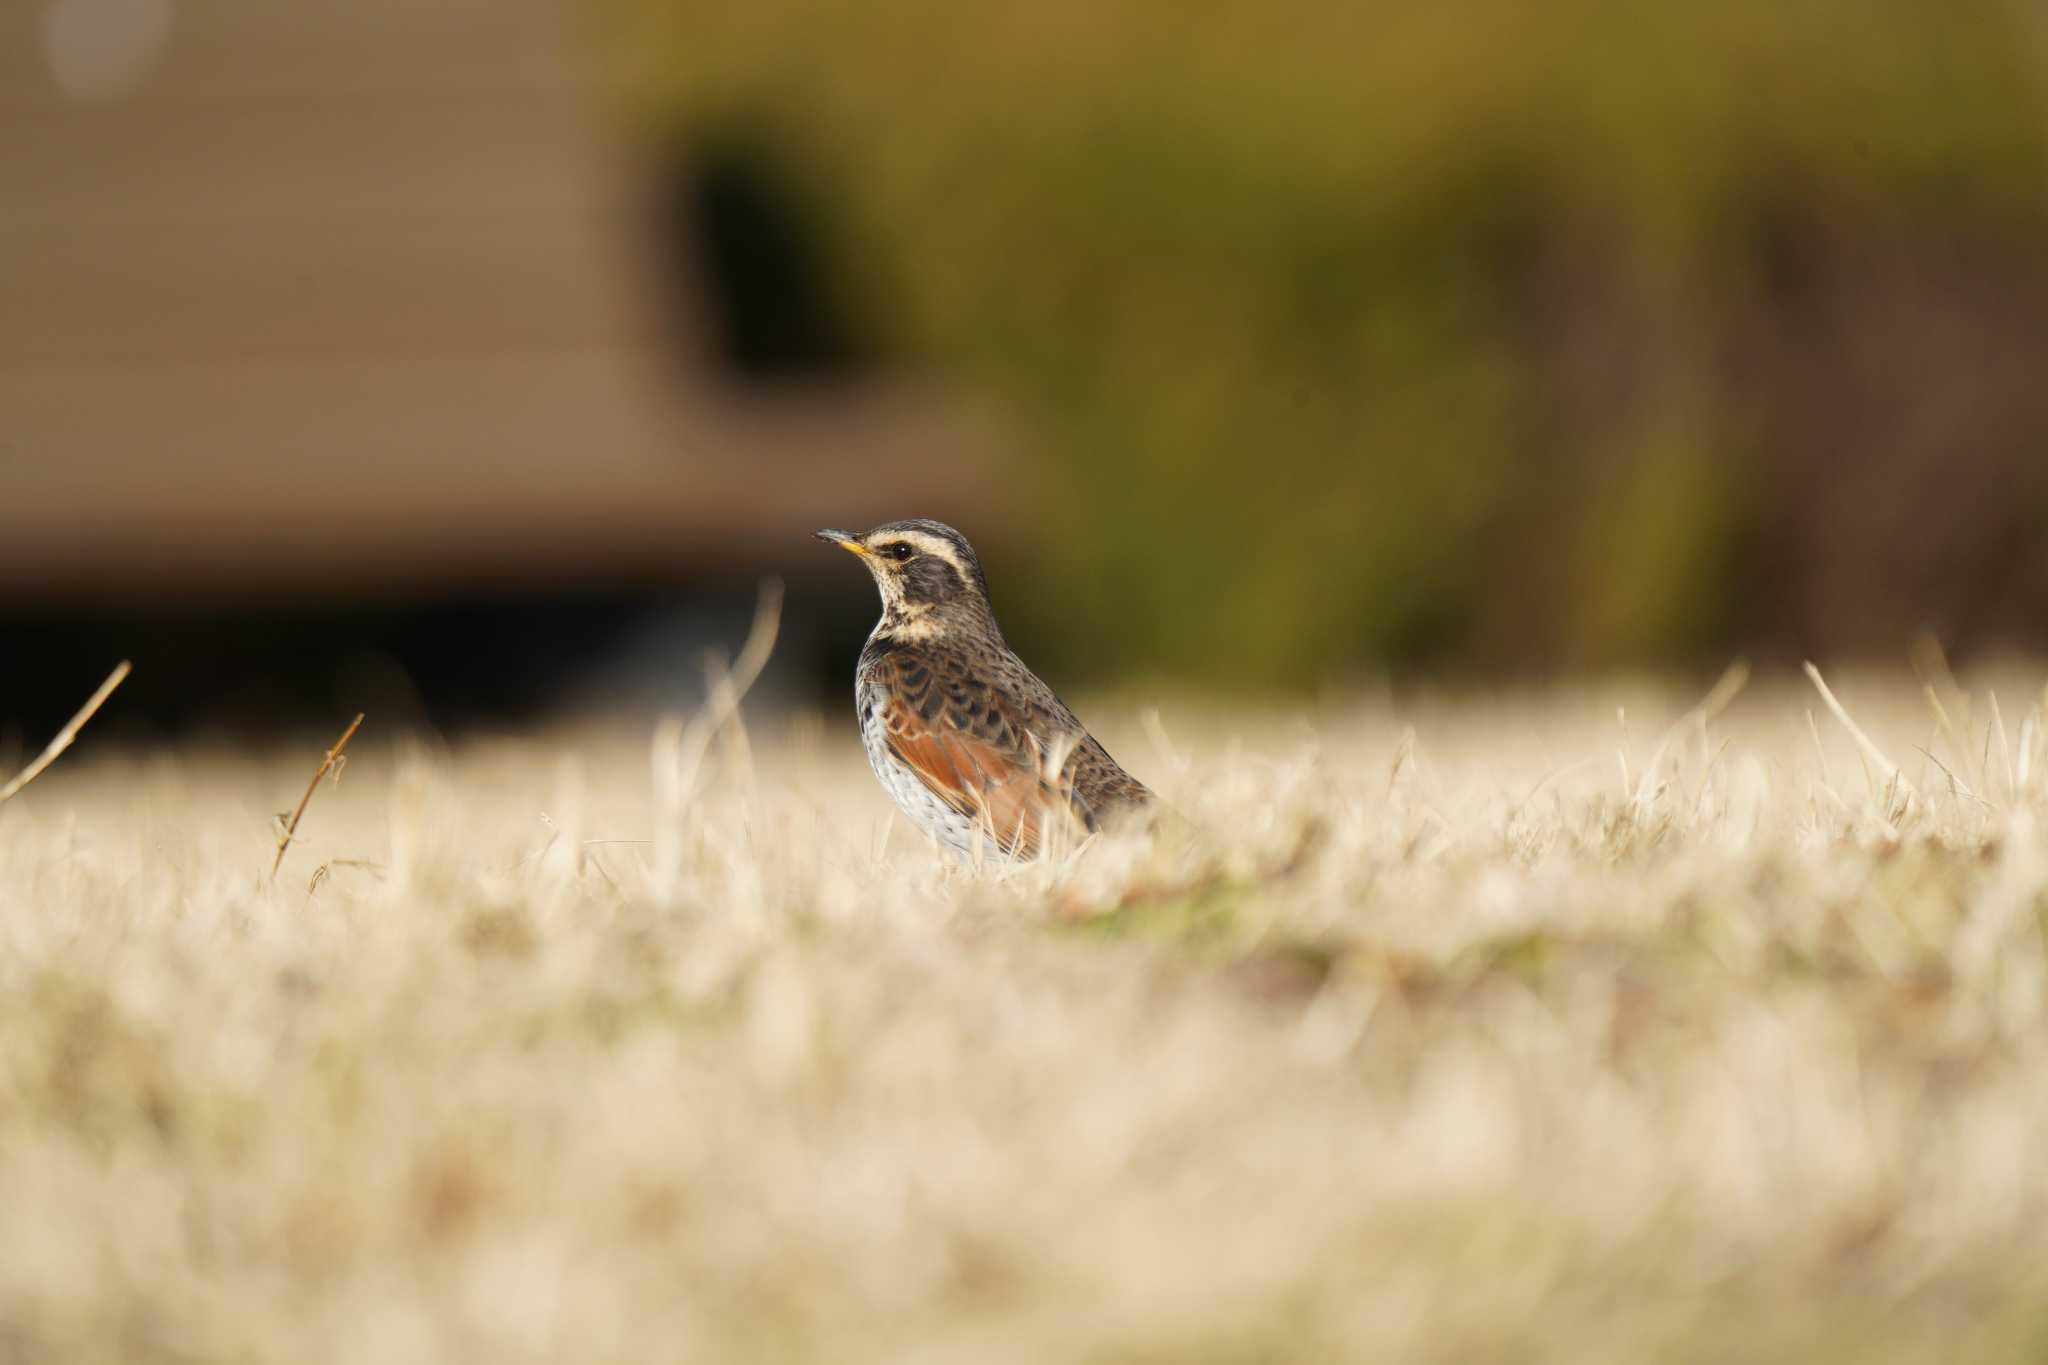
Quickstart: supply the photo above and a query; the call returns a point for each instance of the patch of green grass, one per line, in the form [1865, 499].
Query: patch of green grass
[1200, 915]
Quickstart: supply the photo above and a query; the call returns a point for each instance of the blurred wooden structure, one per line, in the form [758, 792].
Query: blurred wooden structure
[348, 296]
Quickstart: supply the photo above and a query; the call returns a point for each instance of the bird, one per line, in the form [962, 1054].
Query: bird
[970, 743]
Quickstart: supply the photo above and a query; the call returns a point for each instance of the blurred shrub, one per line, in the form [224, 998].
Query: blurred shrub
[1495, 332]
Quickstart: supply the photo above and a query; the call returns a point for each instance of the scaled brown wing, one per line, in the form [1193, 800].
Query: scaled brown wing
[1000, 786]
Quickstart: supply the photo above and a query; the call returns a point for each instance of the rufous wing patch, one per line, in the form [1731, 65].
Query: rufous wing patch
[1005, 791]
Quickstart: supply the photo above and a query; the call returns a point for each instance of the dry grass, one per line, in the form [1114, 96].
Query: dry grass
[1492, 1028]
[68, 735]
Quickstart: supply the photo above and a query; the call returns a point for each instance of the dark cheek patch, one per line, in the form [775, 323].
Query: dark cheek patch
[927, 579]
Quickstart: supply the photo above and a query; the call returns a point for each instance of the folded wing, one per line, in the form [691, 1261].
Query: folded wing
[1000, 783]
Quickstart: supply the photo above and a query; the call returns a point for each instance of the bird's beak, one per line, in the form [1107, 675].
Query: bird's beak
[845, 541]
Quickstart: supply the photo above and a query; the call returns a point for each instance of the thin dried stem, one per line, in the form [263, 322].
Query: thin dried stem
[57, 746]
[678, 749]
[327, 765]
[2004, 749]
[1703, 714]
[1890, 771]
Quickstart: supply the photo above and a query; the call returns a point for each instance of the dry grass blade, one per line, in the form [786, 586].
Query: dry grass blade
[65, 736]
[2004, 748]
[1709, 708]
[1724, 692]
[678, 749]
[728, 689]
[327, 765]
[1946, 727]
[1893, 775]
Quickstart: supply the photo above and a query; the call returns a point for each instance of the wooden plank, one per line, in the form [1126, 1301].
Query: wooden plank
[240, 50]
[104, 293]
[301, 163]
[381, 474]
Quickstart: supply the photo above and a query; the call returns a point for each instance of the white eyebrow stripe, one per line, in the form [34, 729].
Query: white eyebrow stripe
[938, 547]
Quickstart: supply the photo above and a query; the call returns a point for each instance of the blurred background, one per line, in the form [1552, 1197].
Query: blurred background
[467, 360]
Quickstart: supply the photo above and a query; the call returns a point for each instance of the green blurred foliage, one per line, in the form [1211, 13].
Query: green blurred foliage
[1373, 334]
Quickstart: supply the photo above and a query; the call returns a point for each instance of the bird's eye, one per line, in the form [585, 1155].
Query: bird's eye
[899, 551]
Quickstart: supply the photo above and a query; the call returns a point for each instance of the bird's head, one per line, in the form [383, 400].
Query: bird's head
[927, 572]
